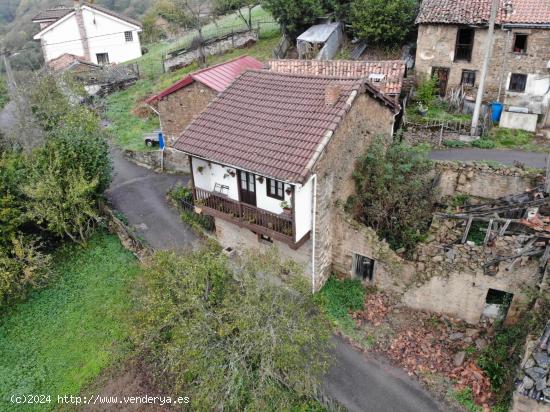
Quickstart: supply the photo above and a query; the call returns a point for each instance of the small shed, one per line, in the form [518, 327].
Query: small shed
[320, 42]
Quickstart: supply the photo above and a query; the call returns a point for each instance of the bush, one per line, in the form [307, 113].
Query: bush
[426, 90]
[484, 144]
[383, 22]
[453, 143]
[236, 340]
[394, 193]
[181, 193]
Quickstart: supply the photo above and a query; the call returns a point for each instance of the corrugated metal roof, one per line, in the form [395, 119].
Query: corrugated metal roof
[216, 77]
[318, 33]
[268, 123]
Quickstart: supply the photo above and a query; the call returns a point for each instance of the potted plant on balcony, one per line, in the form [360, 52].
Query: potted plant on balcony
[287, 209]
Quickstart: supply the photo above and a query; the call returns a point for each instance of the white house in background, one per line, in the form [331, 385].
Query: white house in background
[97, 34]
[272, 153]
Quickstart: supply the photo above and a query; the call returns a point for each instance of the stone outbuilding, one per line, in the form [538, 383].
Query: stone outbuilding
[180, 103]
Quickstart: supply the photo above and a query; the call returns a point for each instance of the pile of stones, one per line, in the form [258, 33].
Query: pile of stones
[536, 370]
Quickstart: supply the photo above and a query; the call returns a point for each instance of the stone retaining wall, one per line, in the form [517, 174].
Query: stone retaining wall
[174, 160]
[217, 46]
[482, 180]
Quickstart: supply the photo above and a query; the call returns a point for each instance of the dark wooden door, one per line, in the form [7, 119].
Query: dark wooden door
[442, 76]
[247, 187]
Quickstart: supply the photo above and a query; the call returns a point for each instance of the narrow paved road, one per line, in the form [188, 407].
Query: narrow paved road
[506, 157]
[140, 194]
[370, 384]
[358, 383]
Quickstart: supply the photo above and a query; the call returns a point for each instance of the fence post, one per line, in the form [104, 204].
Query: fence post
[441, 135]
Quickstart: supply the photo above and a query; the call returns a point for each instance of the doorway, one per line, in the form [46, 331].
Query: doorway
[247, 187]
[442, 76]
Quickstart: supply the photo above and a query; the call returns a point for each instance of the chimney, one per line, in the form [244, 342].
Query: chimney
[76, 4]
[332, 94]
[82, 30]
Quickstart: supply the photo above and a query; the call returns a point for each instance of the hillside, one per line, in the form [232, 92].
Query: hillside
[17, 29]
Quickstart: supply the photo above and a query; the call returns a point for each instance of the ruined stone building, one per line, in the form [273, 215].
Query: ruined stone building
[452, 41]
[273, 154]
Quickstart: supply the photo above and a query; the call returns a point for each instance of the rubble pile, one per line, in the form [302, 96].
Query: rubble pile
[535, 373]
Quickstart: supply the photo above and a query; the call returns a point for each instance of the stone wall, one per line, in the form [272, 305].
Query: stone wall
[482, 180]
[212, 47]
[174, 160]
[178, 109]
[436, 48]
[366, 119]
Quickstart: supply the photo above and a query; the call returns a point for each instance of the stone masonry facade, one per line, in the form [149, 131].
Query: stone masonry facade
[436, 48]
[178, 109]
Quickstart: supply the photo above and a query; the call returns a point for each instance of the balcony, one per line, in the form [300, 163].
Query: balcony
[280, 227]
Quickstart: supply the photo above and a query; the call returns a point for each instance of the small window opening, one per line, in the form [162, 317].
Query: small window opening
[363, 267]
[129, 36]
[464, 44]
[518, 82]
[265, 238]
[520, 43]
[102, 58]
[468, 78]
[497, 303]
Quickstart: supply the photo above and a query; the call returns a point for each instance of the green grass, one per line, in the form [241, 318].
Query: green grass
[128, 129]
[438, 111]
[465, 398]
[338, 297]
[151, 63]
[63, 336]
[511, 138]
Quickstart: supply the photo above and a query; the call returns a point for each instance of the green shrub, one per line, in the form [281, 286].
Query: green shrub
[465, 398]
[426, 90]
[237, 339]
[453, 143]
[180, 193]
[4, 95]
[484, 144]
[338, 297]
[394, 193]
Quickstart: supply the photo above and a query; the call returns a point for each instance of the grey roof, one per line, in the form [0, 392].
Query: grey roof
[318, 33]
[59, 12]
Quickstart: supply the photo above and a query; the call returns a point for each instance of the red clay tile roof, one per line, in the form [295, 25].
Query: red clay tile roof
[67, 60]
[216, 77]
[478, 12]
[59, 12]
[391, 83]
[53, 14]
[268, 123]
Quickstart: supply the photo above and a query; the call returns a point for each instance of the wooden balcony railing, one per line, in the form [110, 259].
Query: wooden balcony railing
[271, 224]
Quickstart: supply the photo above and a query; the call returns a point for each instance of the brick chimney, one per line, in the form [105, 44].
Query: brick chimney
[332, 94]
[82, 29]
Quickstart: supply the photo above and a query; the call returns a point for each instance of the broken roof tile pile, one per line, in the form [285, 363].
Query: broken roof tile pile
[268, 123]
[386, 75]
[216, 77]
[67, 61]
[478, 12]
[535, 373]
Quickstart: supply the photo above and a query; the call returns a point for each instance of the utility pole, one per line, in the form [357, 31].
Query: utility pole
[12, 85]
[485, 68]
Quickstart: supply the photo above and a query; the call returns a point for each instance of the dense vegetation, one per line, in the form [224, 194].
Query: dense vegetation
[394, 193]
[50, 185]
[63, 336]
[237, 339]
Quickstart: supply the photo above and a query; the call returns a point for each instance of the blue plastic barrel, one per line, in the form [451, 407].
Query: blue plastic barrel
[496, 110]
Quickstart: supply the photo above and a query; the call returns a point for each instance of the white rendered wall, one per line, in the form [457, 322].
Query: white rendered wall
[304, 204]
[106, 35]
[61, 39]
[211, 174]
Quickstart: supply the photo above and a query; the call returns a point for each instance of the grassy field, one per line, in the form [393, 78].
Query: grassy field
[63, 336]
[128, 128]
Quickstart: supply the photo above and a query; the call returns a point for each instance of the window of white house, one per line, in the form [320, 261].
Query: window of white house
[468, 78]
[129, 36]
[102, 58]
[275, 189]
[518, 82]
[520, 43]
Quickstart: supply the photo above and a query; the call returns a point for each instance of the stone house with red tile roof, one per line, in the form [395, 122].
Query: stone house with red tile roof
[273, 152]
[180, 103]
[451, 45]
